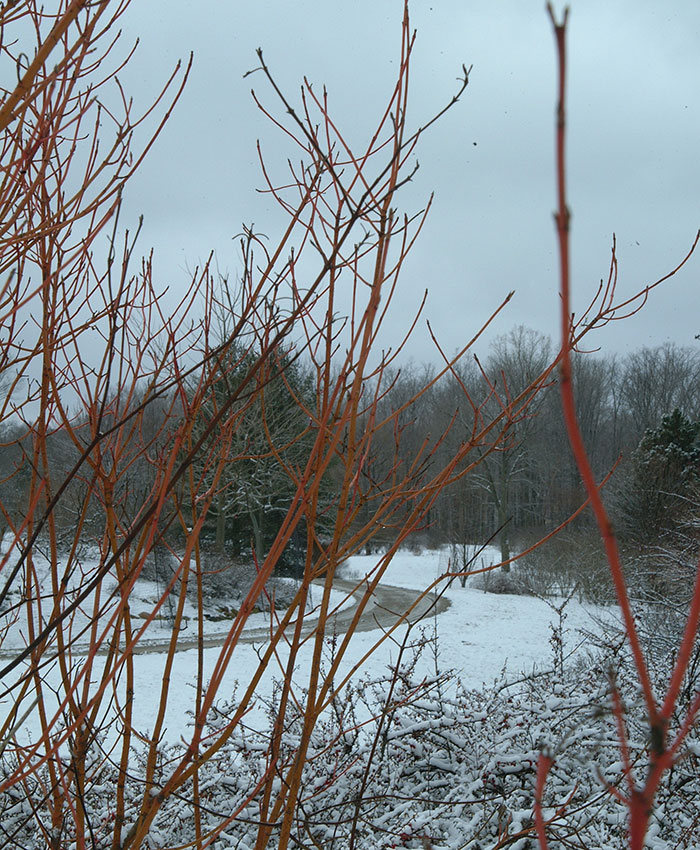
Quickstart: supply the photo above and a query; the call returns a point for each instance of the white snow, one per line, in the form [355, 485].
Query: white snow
[479, 636]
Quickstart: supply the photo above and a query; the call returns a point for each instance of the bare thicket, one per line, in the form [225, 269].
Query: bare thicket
[139, 438]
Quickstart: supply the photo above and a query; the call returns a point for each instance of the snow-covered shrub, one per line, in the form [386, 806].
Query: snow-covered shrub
[569, 562]
[408, 762]
[435, 765]
[498, 581]
[405, 762]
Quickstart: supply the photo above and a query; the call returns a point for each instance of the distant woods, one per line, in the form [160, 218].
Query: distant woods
[530, 485]
[642, 408]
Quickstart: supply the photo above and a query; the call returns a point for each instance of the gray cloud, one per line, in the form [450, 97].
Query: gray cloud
[634, 136]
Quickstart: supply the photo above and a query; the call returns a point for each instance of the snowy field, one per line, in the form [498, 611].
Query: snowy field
[447, 745]
[482, 634]
[480, 637]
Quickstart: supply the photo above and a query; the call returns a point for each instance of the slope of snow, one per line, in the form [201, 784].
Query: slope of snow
[480, 636]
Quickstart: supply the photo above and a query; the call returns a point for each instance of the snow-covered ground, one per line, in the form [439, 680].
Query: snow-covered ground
[480, 636]
[142, 598]
[444, 747]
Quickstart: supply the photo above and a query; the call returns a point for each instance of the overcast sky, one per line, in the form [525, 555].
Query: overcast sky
[634, 142]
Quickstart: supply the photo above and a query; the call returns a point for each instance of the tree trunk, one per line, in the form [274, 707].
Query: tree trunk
[220, 524]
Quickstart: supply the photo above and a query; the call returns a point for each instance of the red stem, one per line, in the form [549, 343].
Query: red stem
[562, 218]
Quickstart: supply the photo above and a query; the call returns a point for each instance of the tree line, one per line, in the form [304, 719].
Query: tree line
[523, 487]
[531, 484]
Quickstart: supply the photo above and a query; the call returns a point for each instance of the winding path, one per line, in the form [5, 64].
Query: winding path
[387, 606]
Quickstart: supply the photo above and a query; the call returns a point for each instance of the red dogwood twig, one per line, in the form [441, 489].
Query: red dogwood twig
[639, 799]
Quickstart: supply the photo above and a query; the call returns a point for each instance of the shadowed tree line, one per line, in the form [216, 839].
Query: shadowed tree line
[640, 409]
[531, 484]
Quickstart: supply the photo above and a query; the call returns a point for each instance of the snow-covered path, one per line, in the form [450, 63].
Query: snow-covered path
[386, 609]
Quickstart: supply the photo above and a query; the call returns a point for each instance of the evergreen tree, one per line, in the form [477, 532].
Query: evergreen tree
[666, 469]
[271, 443]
